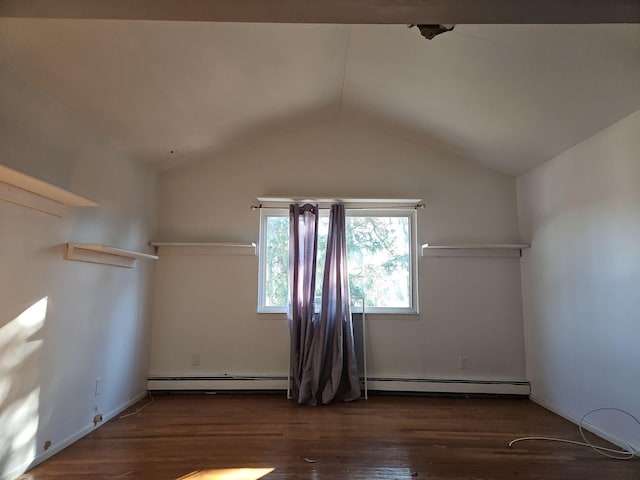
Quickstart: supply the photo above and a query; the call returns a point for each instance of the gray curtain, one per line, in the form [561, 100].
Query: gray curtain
[325, 367]
[303, 248]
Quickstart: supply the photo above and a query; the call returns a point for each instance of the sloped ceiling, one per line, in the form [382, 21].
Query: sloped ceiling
[507, 96]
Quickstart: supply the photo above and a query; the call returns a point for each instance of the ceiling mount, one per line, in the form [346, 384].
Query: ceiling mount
[429, 31]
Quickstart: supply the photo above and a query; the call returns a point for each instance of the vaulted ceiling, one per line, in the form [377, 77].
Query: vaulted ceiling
[507, 96]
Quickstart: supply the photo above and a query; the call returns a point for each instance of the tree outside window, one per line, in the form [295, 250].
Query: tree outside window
[379, 252]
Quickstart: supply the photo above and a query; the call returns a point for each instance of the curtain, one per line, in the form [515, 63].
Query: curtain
[303, 248]
[325, 368]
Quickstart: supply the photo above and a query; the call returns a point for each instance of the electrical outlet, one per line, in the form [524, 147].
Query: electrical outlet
[462, 362]
[98, 391]
[97, 419]
[195, 361]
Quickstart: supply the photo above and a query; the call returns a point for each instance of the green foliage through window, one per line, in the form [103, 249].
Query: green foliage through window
[378, 252]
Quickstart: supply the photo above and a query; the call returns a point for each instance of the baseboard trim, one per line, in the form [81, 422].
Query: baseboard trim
[74, 437]
[411, 385]
[576, 420]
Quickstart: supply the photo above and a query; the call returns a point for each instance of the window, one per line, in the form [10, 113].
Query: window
[381, 250]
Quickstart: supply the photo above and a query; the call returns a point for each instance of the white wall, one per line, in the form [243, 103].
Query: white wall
[90, 321]
[207, 305]
[580, 279]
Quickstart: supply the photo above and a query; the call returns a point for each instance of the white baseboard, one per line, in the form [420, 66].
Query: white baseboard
[59, 446]
[576, 420]
[410, 385]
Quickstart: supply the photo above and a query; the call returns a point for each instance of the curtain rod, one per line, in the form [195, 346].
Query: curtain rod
[350, 203]
[377, 207]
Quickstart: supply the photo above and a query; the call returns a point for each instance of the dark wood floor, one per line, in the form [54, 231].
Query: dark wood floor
[203, 436]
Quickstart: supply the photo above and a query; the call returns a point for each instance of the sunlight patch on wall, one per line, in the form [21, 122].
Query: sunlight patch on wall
[228, 474]
[20, 388]
[14, 336]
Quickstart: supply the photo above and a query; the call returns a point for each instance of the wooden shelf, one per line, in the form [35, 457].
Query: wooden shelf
[98, 253]
[204, 248]
[474, 250]
[30, 192]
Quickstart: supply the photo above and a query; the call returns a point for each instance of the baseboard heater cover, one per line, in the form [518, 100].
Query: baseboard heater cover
[226, 382]
[414, 385]
[441, 385]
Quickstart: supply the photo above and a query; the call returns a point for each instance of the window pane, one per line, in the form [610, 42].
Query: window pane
[378, 255]
[379, 260]
[277, 262]
[323, 231]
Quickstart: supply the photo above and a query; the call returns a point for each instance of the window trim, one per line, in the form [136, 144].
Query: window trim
[409, 213]
[262, 252]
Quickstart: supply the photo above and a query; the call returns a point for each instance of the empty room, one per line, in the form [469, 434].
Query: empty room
[319, 240]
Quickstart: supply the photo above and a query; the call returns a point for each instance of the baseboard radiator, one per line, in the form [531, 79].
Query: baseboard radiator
[401, 385]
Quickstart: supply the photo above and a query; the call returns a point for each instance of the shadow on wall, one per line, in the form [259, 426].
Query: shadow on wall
[20, 349]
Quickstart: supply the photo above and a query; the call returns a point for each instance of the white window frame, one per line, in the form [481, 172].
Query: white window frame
[409, 213]
[262, 255]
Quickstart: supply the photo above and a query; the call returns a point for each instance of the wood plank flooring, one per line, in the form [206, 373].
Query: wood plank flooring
[385, 437]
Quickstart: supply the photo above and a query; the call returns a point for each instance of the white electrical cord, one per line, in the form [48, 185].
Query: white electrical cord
[138, 410]
[627, 454]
